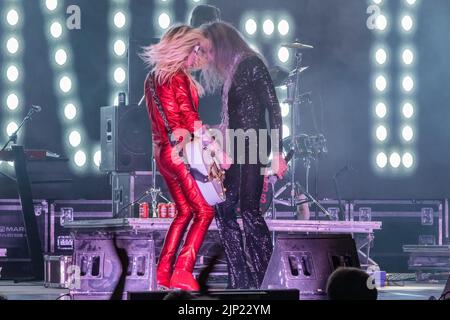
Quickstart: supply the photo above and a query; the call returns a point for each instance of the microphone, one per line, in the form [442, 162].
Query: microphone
[36, 108]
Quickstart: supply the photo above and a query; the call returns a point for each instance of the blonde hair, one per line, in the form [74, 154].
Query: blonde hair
[168, 57]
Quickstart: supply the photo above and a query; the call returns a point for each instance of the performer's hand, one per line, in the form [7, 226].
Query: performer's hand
[279, 165]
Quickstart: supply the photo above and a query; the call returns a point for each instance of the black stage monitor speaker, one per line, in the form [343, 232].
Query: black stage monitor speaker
[292, 295]
[126, 140]
[306, 262]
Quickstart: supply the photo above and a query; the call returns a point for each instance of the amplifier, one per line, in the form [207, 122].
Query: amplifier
[61, 241]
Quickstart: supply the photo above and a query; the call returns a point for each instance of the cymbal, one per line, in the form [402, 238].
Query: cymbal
[301, 70]
[297, 45]
[279, 76]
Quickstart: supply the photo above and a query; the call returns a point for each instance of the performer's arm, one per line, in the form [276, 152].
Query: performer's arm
[267, 95]
[263, 85]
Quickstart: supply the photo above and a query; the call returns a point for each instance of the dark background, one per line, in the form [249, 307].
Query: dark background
[339, 77]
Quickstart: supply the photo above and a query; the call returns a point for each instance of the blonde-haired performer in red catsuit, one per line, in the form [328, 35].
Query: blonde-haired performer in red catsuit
[180, 50]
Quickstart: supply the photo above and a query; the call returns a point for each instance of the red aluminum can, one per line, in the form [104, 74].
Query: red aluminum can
[172, 210]
[162, 210]
[144, 210]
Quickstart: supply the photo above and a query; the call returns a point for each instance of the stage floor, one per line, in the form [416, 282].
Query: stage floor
[409, 290]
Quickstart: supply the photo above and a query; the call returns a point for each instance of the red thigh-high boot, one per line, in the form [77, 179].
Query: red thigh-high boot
[182, 277]
[177, 228]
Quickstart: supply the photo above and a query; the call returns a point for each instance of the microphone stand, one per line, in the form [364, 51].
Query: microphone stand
[13, 137]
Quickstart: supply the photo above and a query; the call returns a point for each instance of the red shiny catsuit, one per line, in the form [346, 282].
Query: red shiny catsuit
[179, 99]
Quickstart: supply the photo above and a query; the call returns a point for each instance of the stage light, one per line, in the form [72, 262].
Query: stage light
[408, 110]
[120, 75]
[56, 30]
[164, 20]
[377, 1]
[408, 133]
[12, 101]
[65, 84]
[283, 55]
[98, 158]
[285, 108]
[250, 26]
[12, 17]
[268, 27]
[382, 160]
[408, 56]
[381, 133]
[51, 4]
[12, 73]
[408, 83]
[381, 83]
[381, 22]
[120, 20]
[61, 57]
[12, 45]
[286, 131]
[407, 23]
[381, 56]
[395, 160]
[80, 158]
[120, 48]
[283, 27]
[381, 110]
[70, 111]
[411, 2]
[11, 128]
[408, 160]
[75, 139]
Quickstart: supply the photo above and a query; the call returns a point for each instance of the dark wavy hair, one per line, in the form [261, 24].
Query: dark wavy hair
[227, 43]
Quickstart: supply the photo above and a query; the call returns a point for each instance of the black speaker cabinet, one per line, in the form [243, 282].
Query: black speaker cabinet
[305, 262]
[126, 140]
[99, 268]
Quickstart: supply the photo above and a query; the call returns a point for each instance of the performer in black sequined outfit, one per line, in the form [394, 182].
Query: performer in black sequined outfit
[247, 93]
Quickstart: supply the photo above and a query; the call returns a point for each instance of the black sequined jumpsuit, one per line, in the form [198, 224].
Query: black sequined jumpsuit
[251, 94]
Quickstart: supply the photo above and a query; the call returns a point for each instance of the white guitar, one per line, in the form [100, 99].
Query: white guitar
[206, 160]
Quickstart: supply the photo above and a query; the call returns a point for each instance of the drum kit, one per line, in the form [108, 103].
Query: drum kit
[306, 149]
